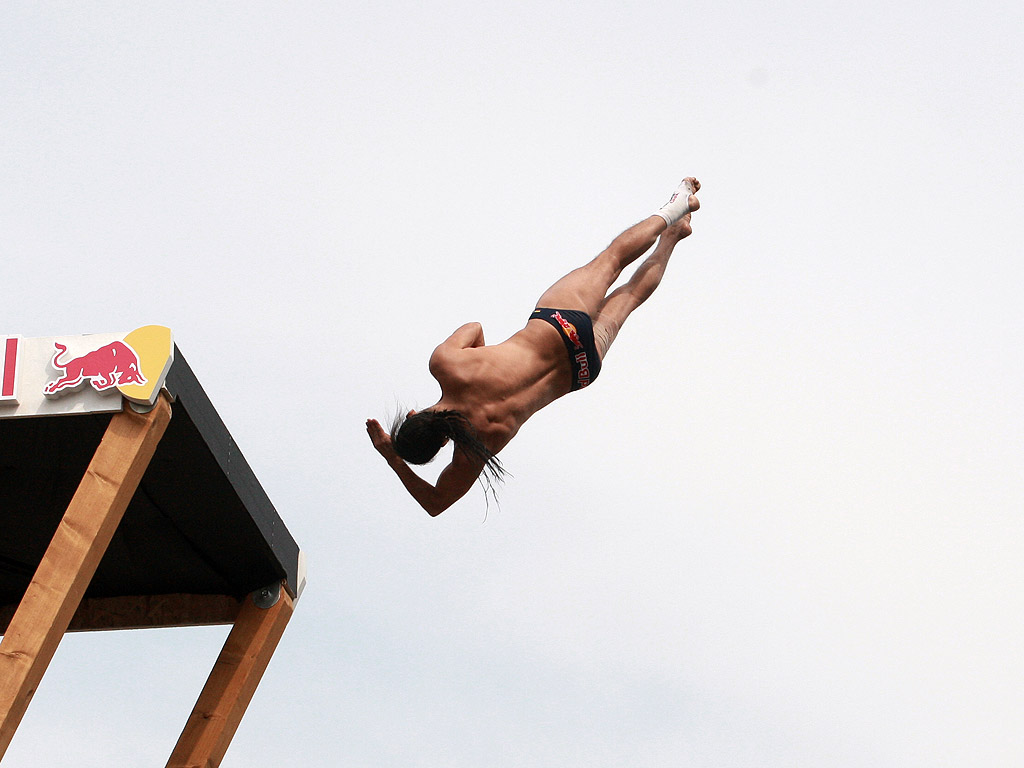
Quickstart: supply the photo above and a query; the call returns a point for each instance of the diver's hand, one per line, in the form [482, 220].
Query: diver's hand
[381, 440]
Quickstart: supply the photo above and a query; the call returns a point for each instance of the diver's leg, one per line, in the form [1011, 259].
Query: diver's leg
[623, 300]
[585, 288]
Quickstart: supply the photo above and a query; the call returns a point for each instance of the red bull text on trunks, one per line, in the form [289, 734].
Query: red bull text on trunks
[582, 367]
[582, 370]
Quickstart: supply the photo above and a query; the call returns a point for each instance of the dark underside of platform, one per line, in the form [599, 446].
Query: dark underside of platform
[199, 524]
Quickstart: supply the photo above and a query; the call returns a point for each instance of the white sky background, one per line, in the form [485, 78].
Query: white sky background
[783, 529]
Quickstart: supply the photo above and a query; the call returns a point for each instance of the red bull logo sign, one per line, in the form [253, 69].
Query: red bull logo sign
[82, 374]
[112, 364]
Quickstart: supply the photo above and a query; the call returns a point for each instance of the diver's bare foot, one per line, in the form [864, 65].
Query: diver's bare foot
[692, 202]
[679, 230]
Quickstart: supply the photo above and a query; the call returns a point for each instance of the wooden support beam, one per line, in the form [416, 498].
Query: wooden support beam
[74, 553]
[152, 611]
[145, 612]
[232, 683]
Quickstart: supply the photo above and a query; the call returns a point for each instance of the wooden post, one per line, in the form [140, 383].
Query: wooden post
[232, 683]
[71, 559]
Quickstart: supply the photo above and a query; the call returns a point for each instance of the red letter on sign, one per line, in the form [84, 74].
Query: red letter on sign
[10, 368]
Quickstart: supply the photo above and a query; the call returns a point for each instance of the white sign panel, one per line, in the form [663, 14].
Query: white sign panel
[82, 374]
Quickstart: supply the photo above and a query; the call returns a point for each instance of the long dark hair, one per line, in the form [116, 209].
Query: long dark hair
[419, 437]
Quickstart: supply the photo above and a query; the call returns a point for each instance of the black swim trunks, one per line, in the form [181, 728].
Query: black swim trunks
[578, 334]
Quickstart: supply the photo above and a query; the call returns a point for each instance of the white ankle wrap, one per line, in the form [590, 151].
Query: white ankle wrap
[677, 205]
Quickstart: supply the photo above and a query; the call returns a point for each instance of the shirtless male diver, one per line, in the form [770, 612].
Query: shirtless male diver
[488, 392]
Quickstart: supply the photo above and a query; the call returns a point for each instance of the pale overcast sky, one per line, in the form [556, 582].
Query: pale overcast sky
[784, 528]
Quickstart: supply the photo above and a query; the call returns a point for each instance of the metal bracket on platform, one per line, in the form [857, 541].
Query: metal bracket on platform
[267, 597]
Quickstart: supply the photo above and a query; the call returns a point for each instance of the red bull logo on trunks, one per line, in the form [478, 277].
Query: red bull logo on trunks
[104, 368]
[570, 330]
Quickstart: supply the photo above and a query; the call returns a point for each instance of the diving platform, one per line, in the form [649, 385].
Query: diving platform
[125, 503]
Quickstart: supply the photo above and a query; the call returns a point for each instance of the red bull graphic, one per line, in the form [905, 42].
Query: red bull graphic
[581, 364]
[89, 373]
[570, 330]
[114, 364]
[9, 369]
[582, 369]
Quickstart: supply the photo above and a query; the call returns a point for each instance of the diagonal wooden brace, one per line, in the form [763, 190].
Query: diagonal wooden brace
[233, 681]
[71, 559]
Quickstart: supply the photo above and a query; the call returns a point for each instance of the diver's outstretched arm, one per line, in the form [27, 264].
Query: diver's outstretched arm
[453, 483]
